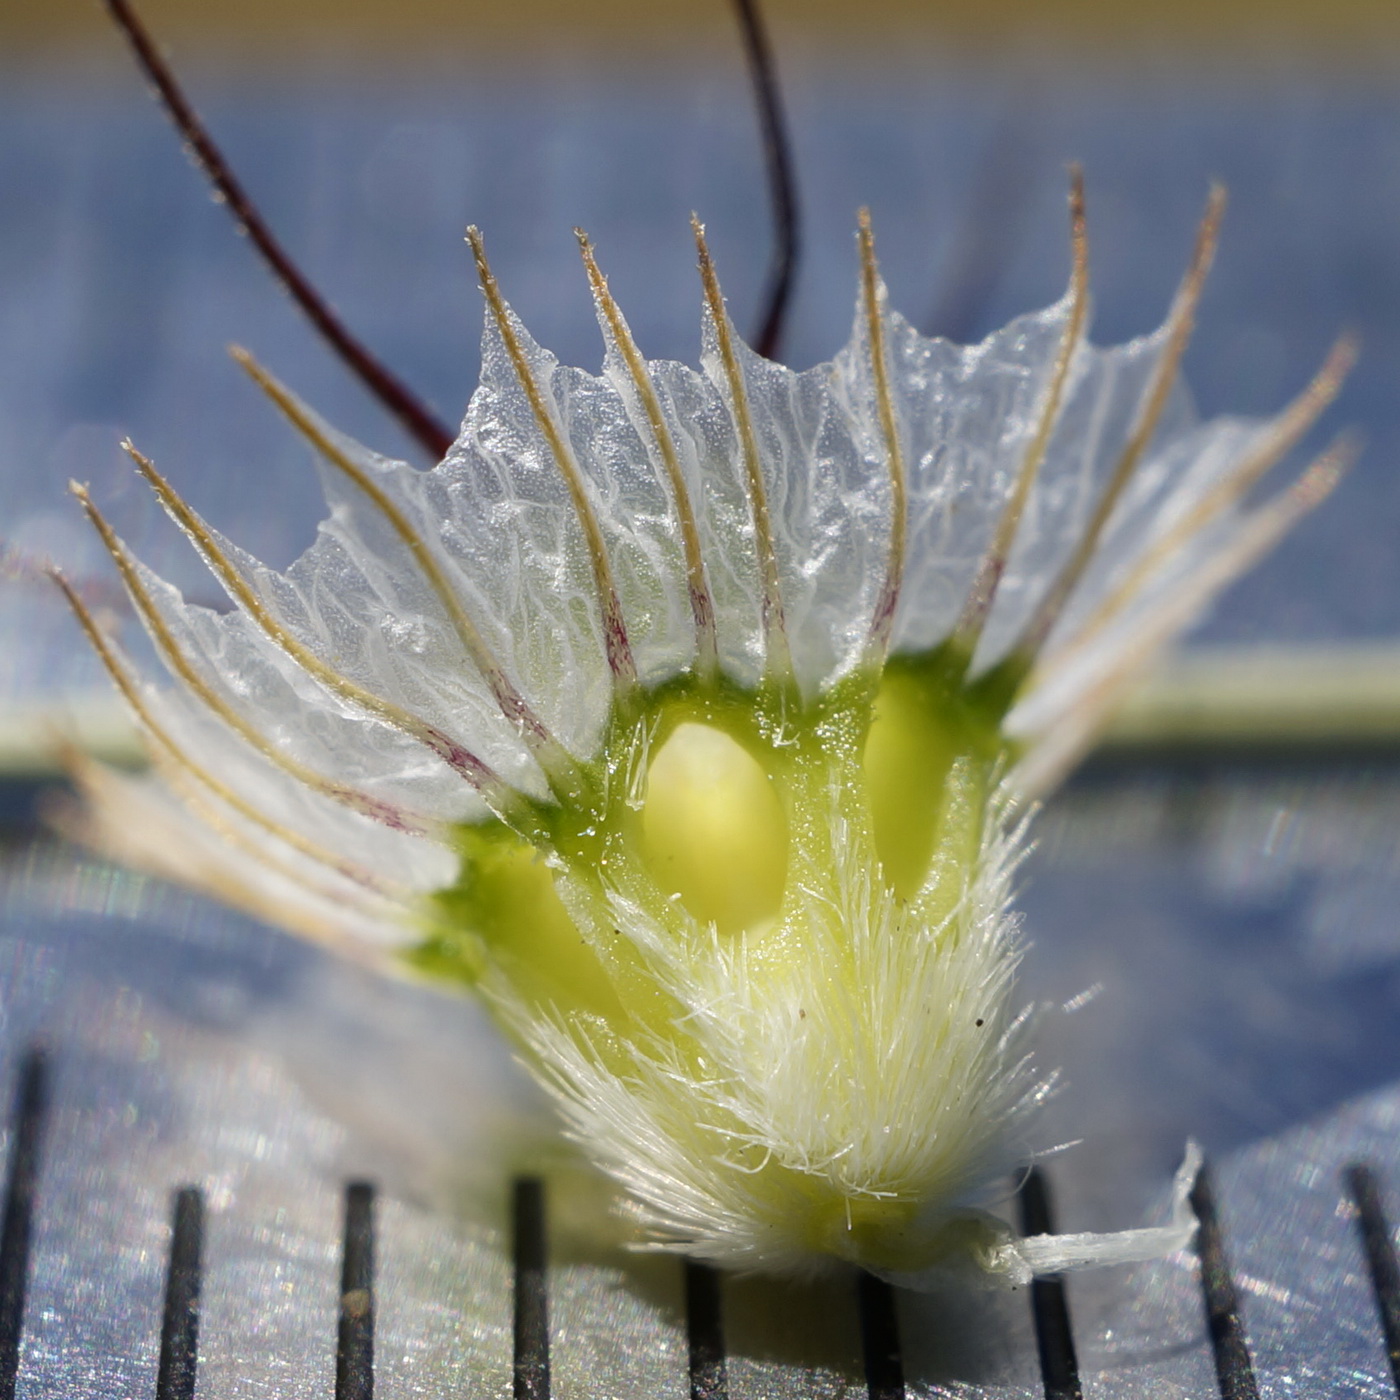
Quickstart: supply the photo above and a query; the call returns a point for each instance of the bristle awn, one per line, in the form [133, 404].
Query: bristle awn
[417, 420]
[777, 652]
[558, 766]
[873, 298]
[96, 783]
[782, 182]
[615, 643]
[176, 754]
[983, 592]
[1287, 431]
[496, 792]
[702, 605]
[1260, 531]
[1180, 323]
[180, 665]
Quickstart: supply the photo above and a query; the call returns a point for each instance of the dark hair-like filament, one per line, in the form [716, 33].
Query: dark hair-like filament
[782, 183]
[431, 434]
[417, 420]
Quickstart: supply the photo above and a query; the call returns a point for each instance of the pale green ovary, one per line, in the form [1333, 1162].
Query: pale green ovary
[736, 806]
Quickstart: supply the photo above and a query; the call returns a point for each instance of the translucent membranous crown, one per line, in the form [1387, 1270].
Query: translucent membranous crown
[687, 716]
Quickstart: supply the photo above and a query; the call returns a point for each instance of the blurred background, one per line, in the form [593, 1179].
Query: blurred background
[1222, 932]
[413, 32]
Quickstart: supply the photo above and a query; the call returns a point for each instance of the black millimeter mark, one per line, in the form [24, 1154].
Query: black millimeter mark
[179, 1329]
[1379, 1244]
[354, 1352]
[1054, 1338]
[27, 1129]
[704, 1323]
[1233, 1367]
[531, 1299]
[879, 1338]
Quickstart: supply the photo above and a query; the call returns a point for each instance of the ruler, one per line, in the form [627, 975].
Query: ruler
[705, 1357]
[182, 1218]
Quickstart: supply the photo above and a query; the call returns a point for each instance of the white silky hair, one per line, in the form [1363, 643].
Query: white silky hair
[882, 1061]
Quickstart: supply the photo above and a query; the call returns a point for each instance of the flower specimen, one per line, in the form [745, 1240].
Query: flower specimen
[690, 717]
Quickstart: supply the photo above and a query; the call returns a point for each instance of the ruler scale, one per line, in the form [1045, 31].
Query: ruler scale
[1232, 1361]
[354, 1356]
[879, 1335]
[704, 1325]
[179, 1332]
[1059, 1366]
[531, 1297]
[1379, 1244]
[31, 1106]
[875, 1300]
